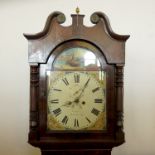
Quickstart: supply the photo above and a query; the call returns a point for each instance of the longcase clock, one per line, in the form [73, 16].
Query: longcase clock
[76, 86]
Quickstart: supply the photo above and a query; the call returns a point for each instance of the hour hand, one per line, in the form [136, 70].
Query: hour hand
[67, 104]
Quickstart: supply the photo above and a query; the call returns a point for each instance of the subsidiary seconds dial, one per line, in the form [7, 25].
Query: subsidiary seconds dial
[76, 100]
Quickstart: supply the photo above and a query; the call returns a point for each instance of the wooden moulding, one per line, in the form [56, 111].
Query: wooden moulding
[54, 34]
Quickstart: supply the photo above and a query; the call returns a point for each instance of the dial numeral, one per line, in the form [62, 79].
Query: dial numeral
[76, 123]
[65, 81]
[54, 101]
[96, 89]
[88, 119]
[76, 78]
[65, 120]
[57, 112]
[98, 100]
[95, 111]
[57, 89]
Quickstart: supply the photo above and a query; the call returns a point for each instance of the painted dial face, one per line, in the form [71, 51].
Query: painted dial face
[76, 100]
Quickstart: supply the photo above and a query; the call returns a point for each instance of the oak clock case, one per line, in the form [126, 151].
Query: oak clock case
[76, 86]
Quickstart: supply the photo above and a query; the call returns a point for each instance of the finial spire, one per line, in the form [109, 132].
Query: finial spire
[77, 10]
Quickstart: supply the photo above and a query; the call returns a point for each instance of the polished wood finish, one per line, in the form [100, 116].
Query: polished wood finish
[43, 49]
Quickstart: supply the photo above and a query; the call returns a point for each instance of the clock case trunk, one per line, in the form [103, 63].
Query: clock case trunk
[43, 47]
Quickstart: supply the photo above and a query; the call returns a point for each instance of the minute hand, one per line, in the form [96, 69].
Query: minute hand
[83, 89]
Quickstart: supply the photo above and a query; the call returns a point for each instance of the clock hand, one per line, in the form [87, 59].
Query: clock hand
[67, 103]
[86, 84]
[77, 99]
[76, 102]
[77, 91]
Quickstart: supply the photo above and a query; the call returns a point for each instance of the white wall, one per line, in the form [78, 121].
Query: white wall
[136, 18]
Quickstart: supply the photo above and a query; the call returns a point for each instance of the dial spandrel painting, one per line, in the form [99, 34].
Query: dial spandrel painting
[76, 92]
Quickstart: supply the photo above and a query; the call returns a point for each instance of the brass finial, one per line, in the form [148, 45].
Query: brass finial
[77, 10]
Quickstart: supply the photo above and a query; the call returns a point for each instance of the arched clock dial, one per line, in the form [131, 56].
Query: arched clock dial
[76, 100]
